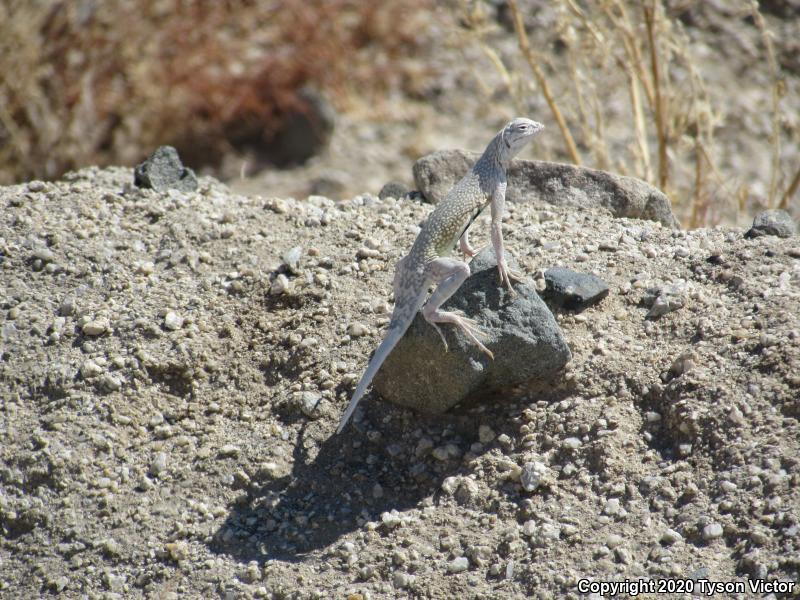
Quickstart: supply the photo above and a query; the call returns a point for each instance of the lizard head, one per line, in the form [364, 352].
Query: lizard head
[518, 133]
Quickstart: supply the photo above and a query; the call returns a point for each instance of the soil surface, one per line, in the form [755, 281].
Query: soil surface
[173, 367]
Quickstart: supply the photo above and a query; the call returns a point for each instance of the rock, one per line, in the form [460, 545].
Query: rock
[458, 565]
[521, 332]
[163, 170]
[670, 536]
[393, 189]
[553, 183]
[572, 290]
[533, 475]
[712, 531]
[96, 327]
[772, 222]
[173, 321]
[665, 299]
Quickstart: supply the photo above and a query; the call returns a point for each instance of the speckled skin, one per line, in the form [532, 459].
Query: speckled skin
[429, 262]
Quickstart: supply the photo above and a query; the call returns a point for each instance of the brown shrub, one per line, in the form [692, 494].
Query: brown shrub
[105, 82]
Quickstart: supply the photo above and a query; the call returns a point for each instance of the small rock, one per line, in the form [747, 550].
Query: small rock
[96, 327]
[450, 485]
[111, 382]
[665, 300]
[391, 519]
[173, 321]
[280, 285]
[177, 551]
[712, 531]
[572, 290]
[458, 565]
[612, 507]
[67, 306]
[393, 189]
[670, 536]
[772, 222]
[309, 404]
[91, 369]
[291, 258]
[356, 329]
[158, 464]
[229, 451]
[486, 434]
[533, 473]
[44, 254]
[571, 443]
[163, 170]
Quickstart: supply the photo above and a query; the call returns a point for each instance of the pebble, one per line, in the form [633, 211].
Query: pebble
[356, 329]
[532, 475]
[572, 443]
[486, 434]
[159, 464]
[173, 321]
[391, 519]
[280, 285]
[458, 565]
[291, 258]
[450, 484]
[229, 451]
[309, 404]
[611, 507]
[529, 528]
[177, 551]
[712, 531]
[67, 306]
[111, 382]
[670, 536]
[96, 327]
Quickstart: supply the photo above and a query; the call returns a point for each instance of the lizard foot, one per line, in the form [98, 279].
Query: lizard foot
[472, 330]
[508, 275]
[441, 335]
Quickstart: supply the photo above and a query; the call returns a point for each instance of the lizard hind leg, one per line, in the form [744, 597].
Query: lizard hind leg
[449, 274]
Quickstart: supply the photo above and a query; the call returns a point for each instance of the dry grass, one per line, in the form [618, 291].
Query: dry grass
[105, 82]
[673, 118]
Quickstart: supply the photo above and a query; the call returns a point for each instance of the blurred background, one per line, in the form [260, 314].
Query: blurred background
[337, 97]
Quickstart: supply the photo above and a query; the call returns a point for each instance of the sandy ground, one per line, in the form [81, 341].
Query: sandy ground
[157, 439]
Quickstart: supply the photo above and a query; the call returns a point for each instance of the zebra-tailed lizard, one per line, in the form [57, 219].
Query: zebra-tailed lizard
[429, 262]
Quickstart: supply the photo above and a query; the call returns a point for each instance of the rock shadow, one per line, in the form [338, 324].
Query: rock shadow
[338, 484]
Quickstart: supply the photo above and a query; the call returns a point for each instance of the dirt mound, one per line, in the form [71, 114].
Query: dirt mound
[173, 366]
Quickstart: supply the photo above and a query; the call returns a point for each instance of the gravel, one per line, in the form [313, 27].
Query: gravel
[143, 461]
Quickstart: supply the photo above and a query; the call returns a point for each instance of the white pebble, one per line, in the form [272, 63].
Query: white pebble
[458, 565]
[173, 321]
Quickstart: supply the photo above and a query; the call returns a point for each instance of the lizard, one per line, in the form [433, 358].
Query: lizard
[429, 261]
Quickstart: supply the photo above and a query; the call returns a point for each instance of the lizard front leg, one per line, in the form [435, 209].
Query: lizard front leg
[449, 274]
[498, 207]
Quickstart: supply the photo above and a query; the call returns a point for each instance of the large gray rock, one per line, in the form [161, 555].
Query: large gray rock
[523, 335]
[553, 183]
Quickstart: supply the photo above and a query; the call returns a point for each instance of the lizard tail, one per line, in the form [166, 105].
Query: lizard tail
[387, 345]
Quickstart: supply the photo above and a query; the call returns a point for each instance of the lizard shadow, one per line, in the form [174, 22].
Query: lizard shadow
[339, 484]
